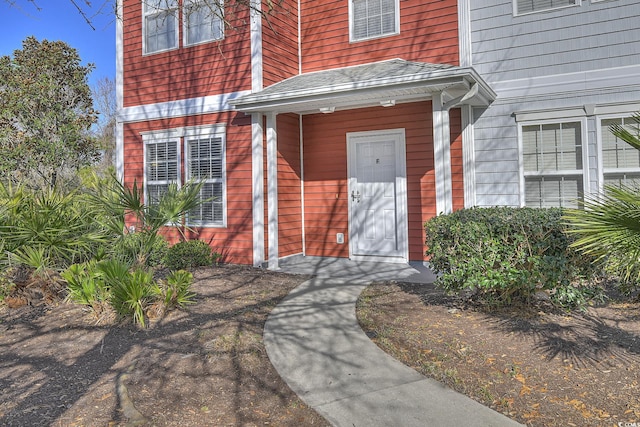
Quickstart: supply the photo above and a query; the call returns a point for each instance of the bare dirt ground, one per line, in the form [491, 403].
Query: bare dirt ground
[202, 366]
[540, 367]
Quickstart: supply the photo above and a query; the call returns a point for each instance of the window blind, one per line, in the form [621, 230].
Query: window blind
[526, 6]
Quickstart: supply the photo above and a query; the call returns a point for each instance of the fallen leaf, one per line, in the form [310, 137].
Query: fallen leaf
[525, 390]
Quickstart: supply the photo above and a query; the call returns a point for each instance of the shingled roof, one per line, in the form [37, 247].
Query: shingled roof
[361, 85]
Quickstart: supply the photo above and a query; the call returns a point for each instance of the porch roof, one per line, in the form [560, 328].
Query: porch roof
[379, 83]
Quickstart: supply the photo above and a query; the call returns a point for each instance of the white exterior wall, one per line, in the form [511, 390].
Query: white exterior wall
[575, 62]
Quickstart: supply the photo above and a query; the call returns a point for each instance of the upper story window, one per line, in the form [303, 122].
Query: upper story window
[202, 21]
[529, 6]
[553, 161]
[160, 23]
[374, 18]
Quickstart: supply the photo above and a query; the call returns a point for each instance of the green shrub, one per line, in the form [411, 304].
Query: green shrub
[506, 255]
[189, 254]
[141, 248]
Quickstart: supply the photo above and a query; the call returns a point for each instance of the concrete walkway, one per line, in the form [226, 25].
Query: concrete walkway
[314, 341]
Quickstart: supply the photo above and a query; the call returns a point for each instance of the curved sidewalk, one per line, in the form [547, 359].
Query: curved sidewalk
[314, 341]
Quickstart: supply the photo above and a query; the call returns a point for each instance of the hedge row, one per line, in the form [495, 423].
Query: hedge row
[508, 255]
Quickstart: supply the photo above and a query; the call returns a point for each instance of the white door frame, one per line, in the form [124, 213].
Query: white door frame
[402, 223]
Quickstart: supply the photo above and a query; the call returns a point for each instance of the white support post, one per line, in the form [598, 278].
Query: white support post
[468, 157]
[257, 69]
[119, 153]
[442, 155]
[272, 190]
[257, 179]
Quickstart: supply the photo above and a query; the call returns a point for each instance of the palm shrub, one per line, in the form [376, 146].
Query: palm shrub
[85, 284]
[608, 228]
[47, 228]
[174, 291]
[130, 292]
[120, 205]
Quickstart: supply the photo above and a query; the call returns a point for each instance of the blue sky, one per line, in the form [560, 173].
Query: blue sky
[60, 20]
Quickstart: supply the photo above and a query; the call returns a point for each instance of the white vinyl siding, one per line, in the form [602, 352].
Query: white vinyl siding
[620, 161]
[202, 21]
[205, 163]
[553, 164]
[374, 18]
[529, 6]
[160, 25]
[161, 168]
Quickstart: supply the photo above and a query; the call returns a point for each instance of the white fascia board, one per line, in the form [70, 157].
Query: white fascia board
[569, 82]
[437, 80]
[180, 108]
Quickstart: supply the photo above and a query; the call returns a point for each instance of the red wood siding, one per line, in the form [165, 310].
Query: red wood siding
[280, 43]
[428, 33]
[325, 154]
[234, 242]
[289, 197]
[188, 72]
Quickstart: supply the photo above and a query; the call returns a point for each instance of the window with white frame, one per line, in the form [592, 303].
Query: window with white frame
[162, 164]
[205, 162]
[529, 6]
[374, 18]
[203, 21]
[553, 164]
[204, 152]
[160, 25]
[620, 161]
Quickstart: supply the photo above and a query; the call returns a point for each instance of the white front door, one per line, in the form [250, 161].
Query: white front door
[377, 195]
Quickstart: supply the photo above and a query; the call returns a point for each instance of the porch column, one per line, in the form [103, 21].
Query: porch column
[442, 155]
[468, 157]
[272, 190]
[257, 186]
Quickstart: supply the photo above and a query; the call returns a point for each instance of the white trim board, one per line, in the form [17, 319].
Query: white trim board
[569, 82]
[180, 108]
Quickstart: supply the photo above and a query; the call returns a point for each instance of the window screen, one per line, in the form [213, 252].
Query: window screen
[373, 18]
[160, 25]
[161, 168]
[552, 159]
[203, 21]
[205, 163]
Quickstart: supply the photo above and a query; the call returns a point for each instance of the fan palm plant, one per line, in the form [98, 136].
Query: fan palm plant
[609, 225]
[121, 205]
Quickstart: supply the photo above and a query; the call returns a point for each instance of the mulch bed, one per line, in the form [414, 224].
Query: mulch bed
[540, 367]
[205, 365]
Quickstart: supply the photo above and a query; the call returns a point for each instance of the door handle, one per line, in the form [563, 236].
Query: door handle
[355, 196]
